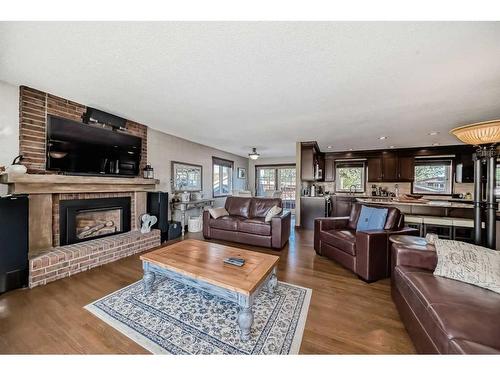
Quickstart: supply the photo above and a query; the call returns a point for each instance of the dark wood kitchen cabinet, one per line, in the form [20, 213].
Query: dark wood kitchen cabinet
[308, 163]
[341, 205]
[312, 161]
[389, 166]
[375, 169]
[406, 168]
[329, 172]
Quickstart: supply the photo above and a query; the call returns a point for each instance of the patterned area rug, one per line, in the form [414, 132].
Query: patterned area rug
[178, 319]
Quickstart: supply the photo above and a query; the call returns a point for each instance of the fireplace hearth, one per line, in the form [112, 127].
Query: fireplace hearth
[88, 219]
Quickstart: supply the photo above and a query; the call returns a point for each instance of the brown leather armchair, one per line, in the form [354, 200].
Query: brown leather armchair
[366, 253]
[246, 223]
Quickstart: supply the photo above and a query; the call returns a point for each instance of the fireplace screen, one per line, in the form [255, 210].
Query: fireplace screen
[87, 219]
[95, 223]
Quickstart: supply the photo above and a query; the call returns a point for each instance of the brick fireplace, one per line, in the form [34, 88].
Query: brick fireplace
[75, 222]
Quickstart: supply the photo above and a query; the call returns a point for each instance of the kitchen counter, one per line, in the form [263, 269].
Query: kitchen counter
[430, 203]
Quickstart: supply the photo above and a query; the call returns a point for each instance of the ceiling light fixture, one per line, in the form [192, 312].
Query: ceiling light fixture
[433, 133]
[254, 155]
[329, 147]
[383, 137]
[480, 133]
[350, 149]
[391, 146]
[435, 144]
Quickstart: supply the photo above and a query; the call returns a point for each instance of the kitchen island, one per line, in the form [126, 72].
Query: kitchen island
[427, 207]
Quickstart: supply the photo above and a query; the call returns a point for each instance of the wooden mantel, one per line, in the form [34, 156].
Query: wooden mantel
[50, 183]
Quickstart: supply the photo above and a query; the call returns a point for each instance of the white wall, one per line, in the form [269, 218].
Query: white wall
[265, 161]
[9, 126]
[164, 148]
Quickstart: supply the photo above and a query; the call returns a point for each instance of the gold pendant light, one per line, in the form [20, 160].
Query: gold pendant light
[480, 133]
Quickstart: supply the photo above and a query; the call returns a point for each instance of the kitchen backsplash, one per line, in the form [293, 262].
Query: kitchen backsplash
[404, 187]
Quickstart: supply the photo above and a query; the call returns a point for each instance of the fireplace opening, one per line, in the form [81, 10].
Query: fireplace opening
[88, 219]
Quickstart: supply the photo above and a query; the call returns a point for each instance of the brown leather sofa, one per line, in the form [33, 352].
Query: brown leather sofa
[245, 223]
[442, 315]
[366, 253]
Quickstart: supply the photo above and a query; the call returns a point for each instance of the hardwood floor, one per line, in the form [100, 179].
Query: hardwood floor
[346, 315]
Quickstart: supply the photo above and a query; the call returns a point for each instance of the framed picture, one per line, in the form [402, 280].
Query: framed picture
[186, 177]
[242, 173]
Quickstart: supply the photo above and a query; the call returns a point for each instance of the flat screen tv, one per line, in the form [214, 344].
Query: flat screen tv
[80, 149]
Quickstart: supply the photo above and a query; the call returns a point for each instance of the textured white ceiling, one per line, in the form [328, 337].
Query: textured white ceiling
[269, 84]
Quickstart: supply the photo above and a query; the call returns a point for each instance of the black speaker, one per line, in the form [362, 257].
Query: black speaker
[14, 242]
[158, 206]
[93, 114]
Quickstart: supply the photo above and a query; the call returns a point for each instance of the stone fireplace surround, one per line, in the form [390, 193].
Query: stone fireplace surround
[47, 260]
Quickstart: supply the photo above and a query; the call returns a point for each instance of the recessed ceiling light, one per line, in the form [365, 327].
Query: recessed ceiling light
[329, 147]
[391, 146]
[350, 149]
[435, 144]
[433, 133]
[383, 137]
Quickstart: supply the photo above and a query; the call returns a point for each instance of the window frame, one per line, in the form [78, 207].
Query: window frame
[339, 164]
[271, 166]
[222, 163]
[436, 160]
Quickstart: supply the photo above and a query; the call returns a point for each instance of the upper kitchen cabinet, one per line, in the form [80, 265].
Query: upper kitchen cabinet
[312, 162]
[406, 168]
[375, 169]
[388, 167]
[464, 170]
[329, 171]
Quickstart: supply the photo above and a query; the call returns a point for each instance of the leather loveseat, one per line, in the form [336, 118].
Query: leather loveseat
[245, 223]
[366, 253]
[442, 315]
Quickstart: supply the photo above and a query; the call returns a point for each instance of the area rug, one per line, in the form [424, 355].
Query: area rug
[179, 319]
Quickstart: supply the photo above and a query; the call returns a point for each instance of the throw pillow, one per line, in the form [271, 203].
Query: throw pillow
[468, 263]
[273, 211]
[371, 218]
[218, 212]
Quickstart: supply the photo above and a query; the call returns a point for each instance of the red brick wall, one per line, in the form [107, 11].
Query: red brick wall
[34, 106]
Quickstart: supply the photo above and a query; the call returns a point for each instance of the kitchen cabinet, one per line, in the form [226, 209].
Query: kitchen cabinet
[342, 205]
[406, 168]
[464, 170]
[388, 167]
[307, 163]
[310, 209]
[312, 160]
[329, 171]
[375, 169]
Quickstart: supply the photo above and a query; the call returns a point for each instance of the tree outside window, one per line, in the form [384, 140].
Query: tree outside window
[433, 177]
[350, 177]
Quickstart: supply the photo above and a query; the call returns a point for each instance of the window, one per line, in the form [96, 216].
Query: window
[433, 177]
[222, 177]
[350, 176]
[277, 177]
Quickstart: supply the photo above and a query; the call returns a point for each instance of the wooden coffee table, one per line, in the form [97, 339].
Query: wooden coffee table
[200, 264]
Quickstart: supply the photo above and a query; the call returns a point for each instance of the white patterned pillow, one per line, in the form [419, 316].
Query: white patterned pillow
[273, 211]
[218, 212]
[468, 263]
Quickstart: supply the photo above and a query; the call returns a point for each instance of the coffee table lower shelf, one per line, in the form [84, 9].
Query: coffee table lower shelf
[244, 301]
